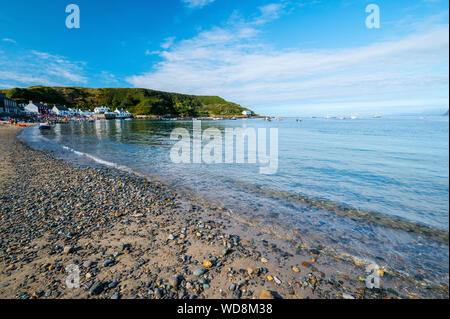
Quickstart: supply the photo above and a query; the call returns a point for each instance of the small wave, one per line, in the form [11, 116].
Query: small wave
[365, 216]
[103, 162]
[40, 142]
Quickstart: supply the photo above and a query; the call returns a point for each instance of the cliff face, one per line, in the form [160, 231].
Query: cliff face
[136, 101]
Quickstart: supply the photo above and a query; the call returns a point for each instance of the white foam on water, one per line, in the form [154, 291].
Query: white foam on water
[40, 139]
[102, 162]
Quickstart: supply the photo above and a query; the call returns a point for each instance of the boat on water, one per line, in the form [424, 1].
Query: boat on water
[45, 126]
[110, 115]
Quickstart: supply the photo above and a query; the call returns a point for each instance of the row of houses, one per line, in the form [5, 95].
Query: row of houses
[8, 105]
[61, 110]
[64, 111]
[44, 109]
[119, 113]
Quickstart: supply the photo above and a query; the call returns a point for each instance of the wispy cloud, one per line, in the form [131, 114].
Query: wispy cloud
[269, 12]
[39, 68]
[168, 42]
[148, 52]
[107, 77]
[231, 62]
[197, 3]
[9, 40]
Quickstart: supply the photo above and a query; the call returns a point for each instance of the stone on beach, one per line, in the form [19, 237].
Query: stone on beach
[199, 272]
[265, 294]
[176, 280]
[67, 250]
[108, 262]
[96, 289]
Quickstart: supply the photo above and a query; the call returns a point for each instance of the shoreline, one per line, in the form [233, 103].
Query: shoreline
[134, 238]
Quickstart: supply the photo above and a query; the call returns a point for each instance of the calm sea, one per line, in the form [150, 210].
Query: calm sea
[396, 167]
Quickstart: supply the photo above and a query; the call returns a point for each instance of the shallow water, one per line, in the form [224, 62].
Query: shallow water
[394, 168]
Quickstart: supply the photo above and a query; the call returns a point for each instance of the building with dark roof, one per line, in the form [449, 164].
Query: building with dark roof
[8, 105]
[37, 108]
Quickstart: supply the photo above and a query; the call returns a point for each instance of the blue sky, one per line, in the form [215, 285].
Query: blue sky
[277, 57]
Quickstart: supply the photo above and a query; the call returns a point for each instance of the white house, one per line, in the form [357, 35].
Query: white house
[61, 110]
[73, 112]
[247, 113]
[101, 109]
[32, 108]
[37, 108]
[120, 113]
[86, 113]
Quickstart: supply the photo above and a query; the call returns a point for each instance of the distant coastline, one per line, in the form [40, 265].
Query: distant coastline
[139, 102]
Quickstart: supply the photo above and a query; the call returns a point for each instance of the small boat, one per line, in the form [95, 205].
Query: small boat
[45, 126]
[110, 116]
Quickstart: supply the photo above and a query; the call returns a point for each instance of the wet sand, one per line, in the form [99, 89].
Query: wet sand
[131, 237]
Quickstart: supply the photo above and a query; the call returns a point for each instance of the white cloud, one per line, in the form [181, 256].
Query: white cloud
[40, 68]
[197, 3]
[9, 40]
[230, 62]
[168, 42]
[107, 77]
[269, 12]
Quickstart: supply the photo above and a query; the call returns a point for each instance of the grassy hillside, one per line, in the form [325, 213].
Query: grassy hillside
[136, 101]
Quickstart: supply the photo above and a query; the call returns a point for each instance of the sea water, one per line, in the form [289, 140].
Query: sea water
[394, 167]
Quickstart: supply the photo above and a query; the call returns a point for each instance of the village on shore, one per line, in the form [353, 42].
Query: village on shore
[38, 112]
[34, 112]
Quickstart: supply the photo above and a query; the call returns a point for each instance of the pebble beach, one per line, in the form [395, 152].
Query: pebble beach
[131, 237]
